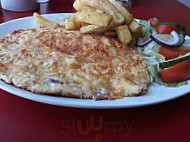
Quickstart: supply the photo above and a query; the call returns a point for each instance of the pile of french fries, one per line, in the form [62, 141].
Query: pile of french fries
[106, 17]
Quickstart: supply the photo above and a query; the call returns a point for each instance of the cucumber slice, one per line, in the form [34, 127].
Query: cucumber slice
[154, 69]
[175, 61]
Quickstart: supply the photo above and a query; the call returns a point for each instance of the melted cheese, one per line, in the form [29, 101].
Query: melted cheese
[57, 61]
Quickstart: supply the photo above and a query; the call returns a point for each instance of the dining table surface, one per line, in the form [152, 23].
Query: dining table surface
[23, 120]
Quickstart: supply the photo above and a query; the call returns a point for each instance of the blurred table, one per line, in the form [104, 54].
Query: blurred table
[23, 120]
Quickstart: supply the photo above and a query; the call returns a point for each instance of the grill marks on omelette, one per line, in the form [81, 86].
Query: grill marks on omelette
[54, 60]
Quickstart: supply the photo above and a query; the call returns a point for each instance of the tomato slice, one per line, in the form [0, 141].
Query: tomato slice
[170, 53]
[166, 29]
[177, 73]
[153, 22]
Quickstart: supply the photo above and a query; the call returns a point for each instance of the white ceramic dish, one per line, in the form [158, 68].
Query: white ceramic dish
[156, 93]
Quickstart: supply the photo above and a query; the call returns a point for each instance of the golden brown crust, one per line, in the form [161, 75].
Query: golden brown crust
[53, 60]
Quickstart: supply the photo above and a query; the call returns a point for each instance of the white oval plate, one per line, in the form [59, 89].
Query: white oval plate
[156, 93]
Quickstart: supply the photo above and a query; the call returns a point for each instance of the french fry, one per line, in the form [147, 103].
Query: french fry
[135, 27]
[111, 27]
[90, 29]
[92, 3]
[41, 21]
[94, 18]
[99, 11]
[137, 34]
[71, 23]
[110, 34]
[133, 42]
[80, 6]
[109, 8]
[124, 34]
[128, 16]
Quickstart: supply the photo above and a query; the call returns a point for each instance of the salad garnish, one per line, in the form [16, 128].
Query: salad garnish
[166, 52]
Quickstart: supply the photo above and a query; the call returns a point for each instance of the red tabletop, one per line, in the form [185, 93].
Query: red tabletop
[22, 120]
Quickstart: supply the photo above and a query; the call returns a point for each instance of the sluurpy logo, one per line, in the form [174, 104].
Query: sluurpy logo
[90, 125]
[96, 125]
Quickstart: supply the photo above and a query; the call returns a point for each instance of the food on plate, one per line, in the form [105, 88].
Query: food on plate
[88, 56]
[57, 61]
[100, 17]
[136, 31]
[94, 18]
[110, 34]
[106, 15]
[135, 27]
[167, 40]
[92, 3]
[124, 34]
[161, 44]
[80, 6]
[90, 29]
[176, 73]
[154, 22]
[109, 8]
[166, 29]
[41, 21]
[124, 12]
[72, 23]
[152, 38]
[163, 72]
[170, 53]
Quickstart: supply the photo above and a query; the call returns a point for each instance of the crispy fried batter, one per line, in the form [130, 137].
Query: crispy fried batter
[53, 60]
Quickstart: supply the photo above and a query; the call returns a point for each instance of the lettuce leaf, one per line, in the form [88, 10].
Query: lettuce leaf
[151, 50]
